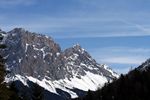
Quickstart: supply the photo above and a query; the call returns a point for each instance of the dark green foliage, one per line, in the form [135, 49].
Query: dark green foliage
[2, 46]
[6, 93]
[2, 69]
[133, 86]
[37, 92]
[1, 37]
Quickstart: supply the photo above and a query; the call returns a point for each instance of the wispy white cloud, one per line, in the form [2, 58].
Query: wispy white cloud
[8, 3]
[138, 26]
[124, 60]
[121, 58]
[77, 27]
[121, 55]
[122, 70]
[126, 49]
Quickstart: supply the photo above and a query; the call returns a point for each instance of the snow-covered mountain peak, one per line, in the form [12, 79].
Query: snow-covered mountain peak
[32, 56]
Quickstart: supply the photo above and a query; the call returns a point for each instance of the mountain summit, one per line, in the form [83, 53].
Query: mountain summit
[38, 59]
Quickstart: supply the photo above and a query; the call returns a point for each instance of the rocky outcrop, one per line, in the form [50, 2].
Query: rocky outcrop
[39, 56]
[33, 55]
[78, 62]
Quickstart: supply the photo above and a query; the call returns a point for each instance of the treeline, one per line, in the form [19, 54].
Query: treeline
[6, 92]
[133, 86]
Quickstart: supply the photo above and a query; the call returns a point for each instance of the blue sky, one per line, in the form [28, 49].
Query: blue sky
[115, 32]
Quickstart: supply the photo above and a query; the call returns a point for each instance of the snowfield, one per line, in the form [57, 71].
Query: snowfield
[88, 82]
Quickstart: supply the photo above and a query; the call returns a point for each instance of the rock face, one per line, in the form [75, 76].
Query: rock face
[78, 62]
[33, 55]
[144, 66]
[38, 56]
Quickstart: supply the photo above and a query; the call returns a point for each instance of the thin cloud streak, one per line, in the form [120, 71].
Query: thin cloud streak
[121, 58]
[121, 55]
[138, 26]
[124, 60]
[9, 3]
[126, 49]
[82, 35]
[122, 70]
[79, 27]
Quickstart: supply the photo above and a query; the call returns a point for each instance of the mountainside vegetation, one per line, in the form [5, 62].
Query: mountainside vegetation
[6, 92]
[133, 86]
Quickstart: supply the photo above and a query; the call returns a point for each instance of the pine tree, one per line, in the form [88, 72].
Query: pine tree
[133, 86]
[6, 93]
[37, 93]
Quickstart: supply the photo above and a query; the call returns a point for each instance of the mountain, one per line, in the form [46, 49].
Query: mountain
[144, 66]
[132, 86]
[6, 93]
[36, 59]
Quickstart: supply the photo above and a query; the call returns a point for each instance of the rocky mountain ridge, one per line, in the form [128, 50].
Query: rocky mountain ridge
[37, 58]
